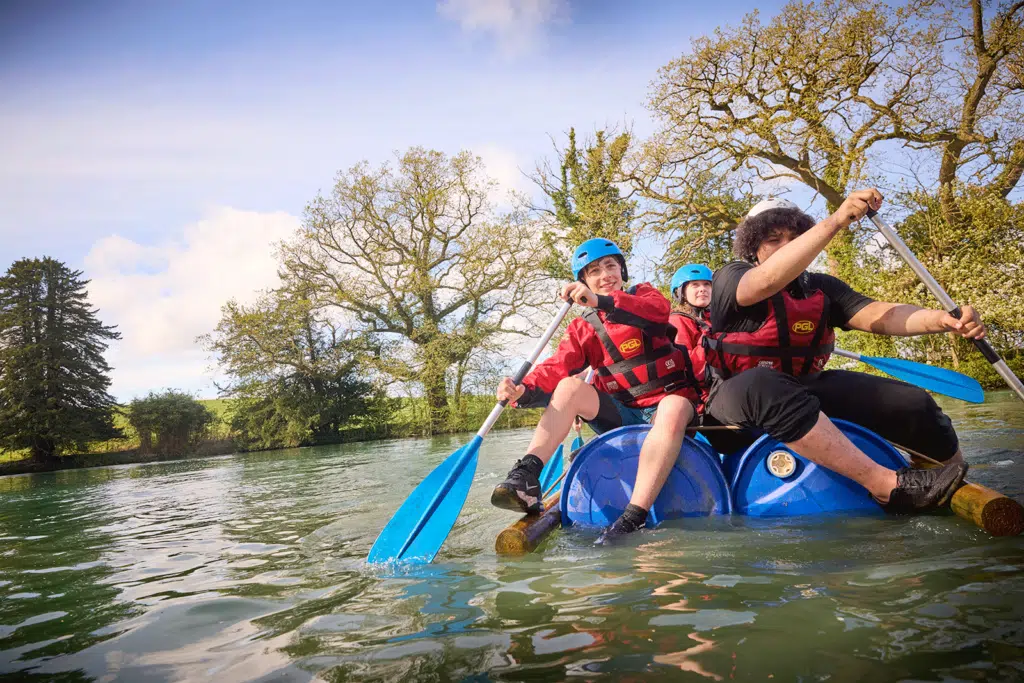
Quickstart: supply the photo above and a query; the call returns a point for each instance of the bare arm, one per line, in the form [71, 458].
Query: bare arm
[907, 320]
[786, 264]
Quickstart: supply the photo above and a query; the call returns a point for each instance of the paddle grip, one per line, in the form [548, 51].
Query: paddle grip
[982, 345]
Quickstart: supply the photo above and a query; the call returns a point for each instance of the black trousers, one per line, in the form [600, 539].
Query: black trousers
[787, 407]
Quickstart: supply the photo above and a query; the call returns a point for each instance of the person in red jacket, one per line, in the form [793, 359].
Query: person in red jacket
[641, 376]
[772, 332]
[691, 294]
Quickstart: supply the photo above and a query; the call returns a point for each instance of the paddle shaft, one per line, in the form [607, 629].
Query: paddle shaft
[944, 299]
[517, 379]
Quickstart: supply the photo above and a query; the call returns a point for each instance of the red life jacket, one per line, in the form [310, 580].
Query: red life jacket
[689, 335]
[639, 365]
[691, 325]
[795, 338]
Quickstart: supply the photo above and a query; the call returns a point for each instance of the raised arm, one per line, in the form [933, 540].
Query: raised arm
[786, 264]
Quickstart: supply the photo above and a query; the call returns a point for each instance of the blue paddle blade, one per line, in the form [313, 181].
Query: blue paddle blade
[939, 380]
[577, 444]
[419, 527]
[552, 470]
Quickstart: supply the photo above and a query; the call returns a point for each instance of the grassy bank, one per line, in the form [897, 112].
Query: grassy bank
[407, 421]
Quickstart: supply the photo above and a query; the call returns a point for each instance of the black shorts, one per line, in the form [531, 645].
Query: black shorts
[787, 407]
[613, 413]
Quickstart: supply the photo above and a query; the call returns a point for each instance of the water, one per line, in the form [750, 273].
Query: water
[251, 567]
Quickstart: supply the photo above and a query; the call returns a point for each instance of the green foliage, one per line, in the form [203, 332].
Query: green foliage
[423, 265]
[169, 423]
[979, 261]
[697, 217]
[53, 377]
[813, 93]
[295, 373]
[821, 92]
[584, 199]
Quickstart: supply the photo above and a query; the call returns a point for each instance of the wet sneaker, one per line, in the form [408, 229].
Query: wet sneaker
[924, 490]
[521, 489]
[632, 519]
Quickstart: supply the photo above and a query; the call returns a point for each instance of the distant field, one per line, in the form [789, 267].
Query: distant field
[218, 406]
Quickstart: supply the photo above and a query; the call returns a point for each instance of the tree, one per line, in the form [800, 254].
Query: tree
[695, 212]
[822, 91]
[422, 264]
[826, 94]
[294, 372]
[169, 423]
[584, 199]
[53, 377]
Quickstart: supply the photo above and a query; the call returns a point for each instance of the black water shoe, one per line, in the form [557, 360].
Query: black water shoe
[924, 490]
[521, 489]
[632, 518]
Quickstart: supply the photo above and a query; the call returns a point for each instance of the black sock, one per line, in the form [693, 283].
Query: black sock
[532, 463]
[635, 514]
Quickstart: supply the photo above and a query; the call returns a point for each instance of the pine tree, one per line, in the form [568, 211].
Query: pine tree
[53, 377]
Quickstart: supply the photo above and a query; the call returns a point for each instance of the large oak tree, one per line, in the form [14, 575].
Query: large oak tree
[837, 94]
[418, 258]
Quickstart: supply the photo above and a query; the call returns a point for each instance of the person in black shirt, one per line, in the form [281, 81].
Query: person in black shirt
[772, 330]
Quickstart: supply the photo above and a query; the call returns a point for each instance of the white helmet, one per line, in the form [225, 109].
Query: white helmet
[768, 204]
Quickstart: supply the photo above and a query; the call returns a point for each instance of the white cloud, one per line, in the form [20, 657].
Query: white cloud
[163, 296]
[516, 24]
[503, 166]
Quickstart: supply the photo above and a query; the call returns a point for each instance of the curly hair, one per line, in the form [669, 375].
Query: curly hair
[687, 308]
[754, 229]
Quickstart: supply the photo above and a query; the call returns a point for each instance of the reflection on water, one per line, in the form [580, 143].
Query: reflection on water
[251, 568]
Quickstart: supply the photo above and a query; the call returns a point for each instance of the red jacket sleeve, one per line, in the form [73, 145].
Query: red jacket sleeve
[646, 307]
[568, 359]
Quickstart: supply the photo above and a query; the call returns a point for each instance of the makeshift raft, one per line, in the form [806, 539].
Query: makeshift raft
[765, 480]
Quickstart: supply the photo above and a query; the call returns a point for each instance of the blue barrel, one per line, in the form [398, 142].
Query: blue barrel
[769, 480]
[600, 481]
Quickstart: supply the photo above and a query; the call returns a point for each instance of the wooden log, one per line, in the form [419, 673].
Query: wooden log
[525, 535]
[988, 509]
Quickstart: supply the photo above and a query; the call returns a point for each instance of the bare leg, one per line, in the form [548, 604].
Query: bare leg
[830, 448]
[571, 397]
[661, 449]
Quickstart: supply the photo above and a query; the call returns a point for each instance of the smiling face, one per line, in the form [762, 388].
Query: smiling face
[603, 276]
[698, 293]
[773, 241]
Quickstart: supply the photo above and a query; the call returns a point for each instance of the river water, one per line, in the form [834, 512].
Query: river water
[251, 567]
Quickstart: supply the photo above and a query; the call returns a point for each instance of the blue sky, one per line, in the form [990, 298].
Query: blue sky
[164, 147]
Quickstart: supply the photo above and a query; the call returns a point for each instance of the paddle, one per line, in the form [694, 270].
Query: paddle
[552, 468]
[419, 527]
[939, 380]
[947, 303]
[577, 443]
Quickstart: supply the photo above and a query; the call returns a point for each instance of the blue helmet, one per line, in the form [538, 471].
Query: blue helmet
[592, 250]
[689, 273]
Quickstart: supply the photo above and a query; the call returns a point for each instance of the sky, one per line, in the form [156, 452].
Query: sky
[165, 148]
